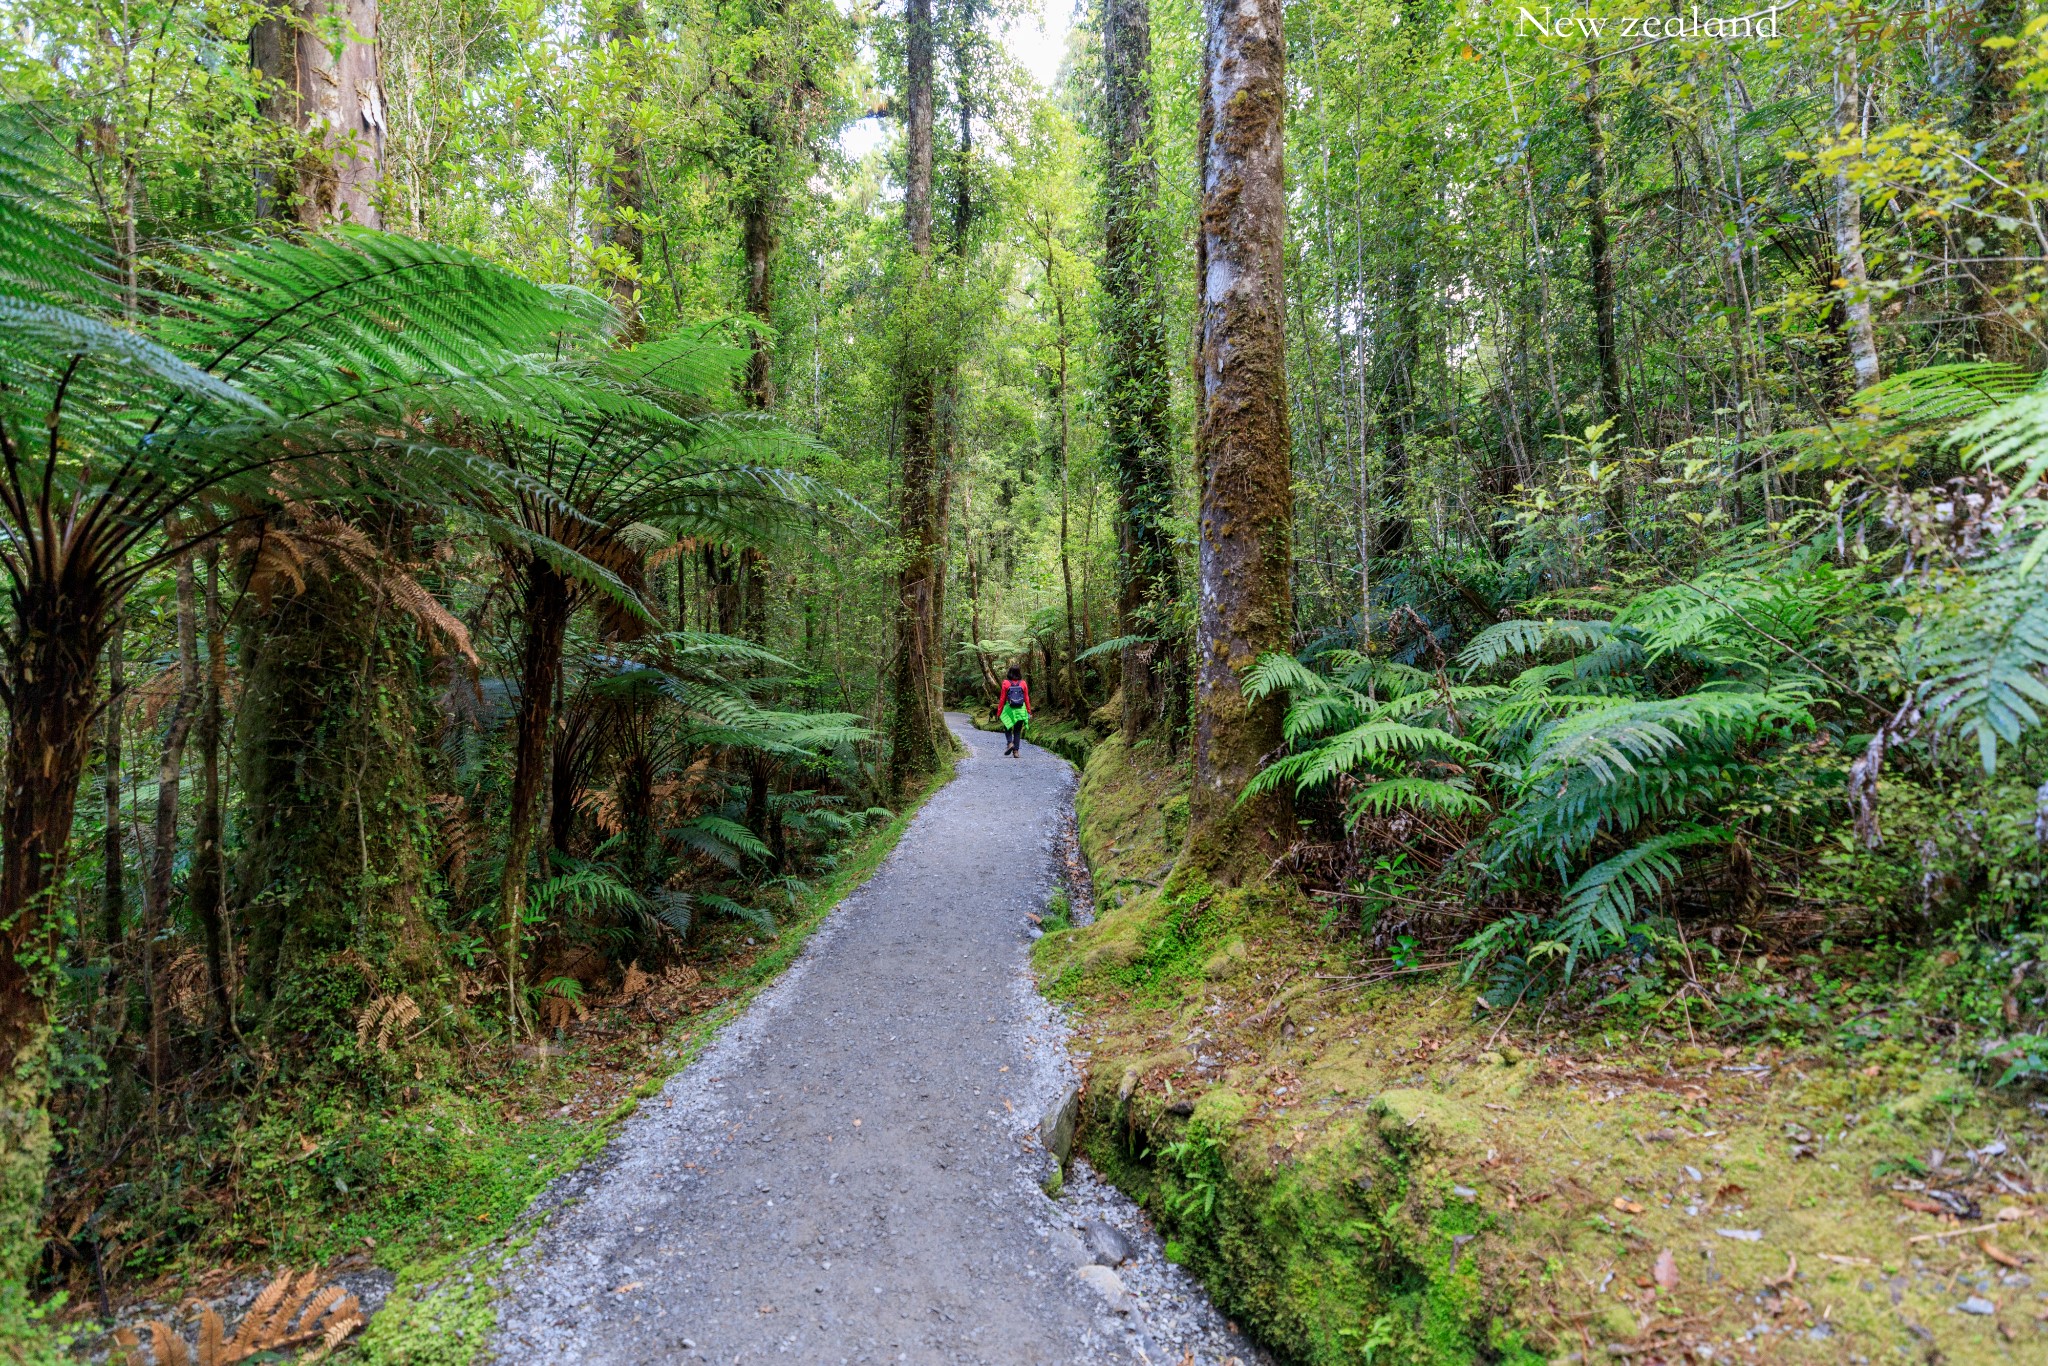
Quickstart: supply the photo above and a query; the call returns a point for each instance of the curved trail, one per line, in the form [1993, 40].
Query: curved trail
[847, 1174]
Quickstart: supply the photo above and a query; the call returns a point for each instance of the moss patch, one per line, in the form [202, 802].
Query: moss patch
[1379, 1172]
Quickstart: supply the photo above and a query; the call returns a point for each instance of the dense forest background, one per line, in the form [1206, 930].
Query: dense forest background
[497, 495]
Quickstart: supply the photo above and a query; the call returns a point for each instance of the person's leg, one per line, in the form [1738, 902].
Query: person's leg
[1016, 736]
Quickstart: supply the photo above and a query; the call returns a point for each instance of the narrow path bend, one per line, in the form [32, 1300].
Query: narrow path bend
[846, 1174]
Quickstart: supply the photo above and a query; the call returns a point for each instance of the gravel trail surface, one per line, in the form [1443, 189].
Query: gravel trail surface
[848, 1174]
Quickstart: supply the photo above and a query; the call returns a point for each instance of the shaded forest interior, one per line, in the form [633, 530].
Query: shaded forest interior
[497, 500]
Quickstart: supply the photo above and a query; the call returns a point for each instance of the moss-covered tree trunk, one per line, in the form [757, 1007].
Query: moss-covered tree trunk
[1135, 378]
[60, 626]
[336, 847]
[547, 601]
[914, 727]
[1244, 606]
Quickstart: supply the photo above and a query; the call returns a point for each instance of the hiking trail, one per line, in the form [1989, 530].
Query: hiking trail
[849, 1172]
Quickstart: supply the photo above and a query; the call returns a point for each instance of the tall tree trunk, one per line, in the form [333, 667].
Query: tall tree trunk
[170, 773]
[1992, 107]
[914, 744]
[1859, 321]
[58, 632]
[114, 888]
[208, 882]
[318, 62]
[544, 624]
[1135, 377]
[1391, 528]
[1241, 438]
[1599, 247]
[626, 194]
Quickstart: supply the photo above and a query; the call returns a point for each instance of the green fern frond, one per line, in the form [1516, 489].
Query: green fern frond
[1600, 907]
[1521, 638]
[1416, 794]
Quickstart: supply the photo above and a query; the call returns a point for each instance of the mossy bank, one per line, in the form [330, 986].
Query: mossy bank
[1363, 1167]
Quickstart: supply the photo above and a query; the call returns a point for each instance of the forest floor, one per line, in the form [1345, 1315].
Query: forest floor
[1360, 1164]
[851, 1172]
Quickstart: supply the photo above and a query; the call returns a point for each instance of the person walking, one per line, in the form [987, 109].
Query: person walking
[1014, 712]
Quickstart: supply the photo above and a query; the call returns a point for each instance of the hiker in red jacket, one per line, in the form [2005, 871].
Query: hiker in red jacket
[1013, 706]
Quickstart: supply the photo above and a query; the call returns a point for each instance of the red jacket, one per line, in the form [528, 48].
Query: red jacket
[1003, 693]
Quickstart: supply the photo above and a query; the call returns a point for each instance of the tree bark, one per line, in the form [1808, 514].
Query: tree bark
[1858, 320]
[914, 745]
[114, 888]
[59, 630]
[1135, 375]
[1993, 104]
[1245, 606]
[170, 773]
[318, 63]
[626, 195]
[1599, 247]
[544, 624]
[209, 873]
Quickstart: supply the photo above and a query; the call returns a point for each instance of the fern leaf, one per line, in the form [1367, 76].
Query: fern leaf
[1600, 906]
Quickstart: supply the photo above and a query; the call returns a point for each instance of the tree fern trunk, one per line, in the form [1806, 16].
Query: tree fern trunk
[59, 630]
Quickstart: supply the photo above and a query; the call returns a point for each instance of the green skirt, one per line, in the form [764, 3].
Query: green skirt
[1013, 715]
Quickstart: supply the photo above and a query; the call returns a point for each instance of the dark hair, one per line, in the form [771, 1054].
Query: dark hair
[1016, 673]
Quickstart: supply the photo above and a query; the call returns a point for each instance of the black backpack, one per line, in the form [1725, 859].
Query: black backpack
[1013, 693]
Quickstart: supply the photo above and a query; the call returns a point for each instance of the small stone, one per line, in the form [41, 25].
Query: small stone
[1106, 1245]
[1056, 1129]
[1107, 1284]
[1464, 1192]
[1069, 1249]
[1977, 1304]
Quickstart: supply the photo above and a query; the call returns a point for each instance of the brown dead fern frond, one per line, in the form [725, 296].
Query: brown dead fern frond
[603, 810]
[382, 1017]
[290, 1313]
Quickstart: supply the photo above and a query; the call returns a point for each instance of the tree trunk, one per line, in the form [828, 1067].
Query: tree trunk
[170, 772]
[114, 888]
[1135, 377]
[1599, 248]
[913, 735]
[337, 846]
[544, 624]
[318, 63]
[1241, 439]
[626, 196]
[1992, 106]
[209, 874]
[58, 633]
[1859, 323]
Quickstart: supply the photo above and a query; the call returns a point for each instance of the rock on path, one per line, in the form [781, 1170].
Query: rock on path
[847, 1173]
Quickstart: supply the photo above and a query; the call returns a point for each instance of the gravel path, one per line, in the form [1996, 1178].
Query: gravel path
[848, 1173]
